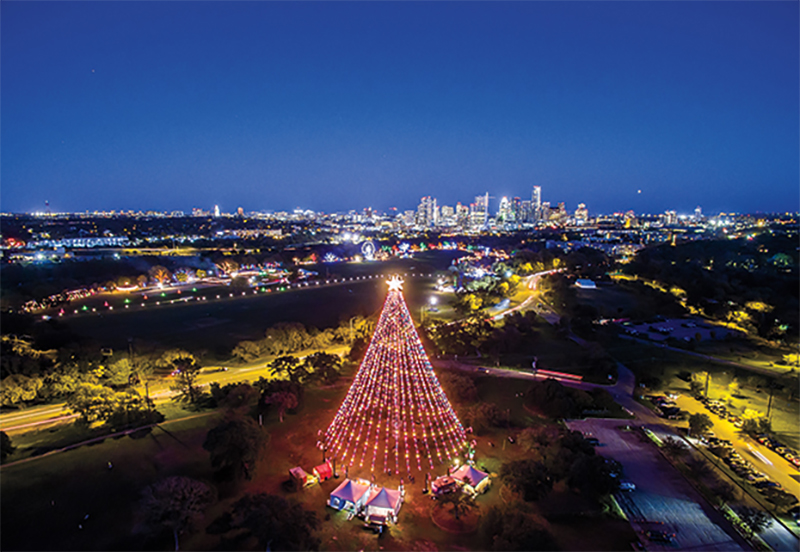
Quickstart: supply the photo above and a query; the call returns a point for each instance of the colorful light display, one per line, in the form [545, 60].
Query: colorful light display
[395, 415]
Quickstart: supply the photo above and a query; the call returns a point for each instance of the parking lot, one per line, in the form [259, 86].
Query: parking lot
[663, 503]
[753, 461]
[685, 329]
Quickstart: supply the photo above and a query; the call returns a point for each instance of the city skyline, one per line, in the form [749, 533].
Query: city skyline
[329, 107]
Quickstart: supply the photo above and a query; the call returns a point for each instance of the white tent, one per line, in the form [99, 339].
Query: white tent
[350, 495]
[383, 504]
[478, 480]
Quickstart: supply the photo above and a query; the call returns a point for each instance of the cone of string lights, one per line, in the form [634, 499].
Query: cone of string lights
[395, 417]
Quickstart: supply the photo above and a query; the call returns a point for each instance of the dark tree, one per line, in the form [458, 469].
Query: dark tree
[511, 528]
[126, 409]
[235, 396]
[482, 416]
[699, 423]
[459, 388]
[699, 467]
[6, 448]
[187, 370]
[357, 349]
[595, 476]
[234, 446]
[324, 367]
[458, 501]
[290, 367]
[528, 477]
[277, 523]
[724, 491]
[132, 410]
[284, 400]
[175, 503]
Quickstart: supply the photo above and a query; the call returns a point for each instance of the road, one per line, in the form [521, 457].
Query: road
[532, 283]
[39, 417]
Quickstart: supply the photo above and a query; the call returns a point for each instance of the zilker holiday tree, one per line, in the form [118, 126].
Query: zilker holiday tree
[395, 417]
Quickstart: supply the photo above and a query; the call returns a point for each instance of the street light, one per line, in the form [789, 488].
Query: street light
[432, 301]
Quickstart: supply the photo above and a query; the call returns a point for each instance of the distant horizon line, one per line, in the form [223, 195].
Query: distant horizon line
[210, 212]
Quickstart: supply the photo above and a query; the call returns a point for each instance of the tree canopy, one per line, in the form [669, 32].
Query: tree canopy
[699, 423]
[234, 447]
[175, 503]
[6, 448]
[528, 477]
[276, 523]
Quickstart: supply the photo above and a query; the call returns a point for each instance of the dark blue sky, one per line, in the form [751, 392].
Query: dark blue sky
[271, 106]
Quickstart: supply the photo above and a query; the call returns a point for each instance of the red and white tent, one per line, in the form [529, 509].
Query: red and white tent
[476, 479]
[383, 504]
[350, 495]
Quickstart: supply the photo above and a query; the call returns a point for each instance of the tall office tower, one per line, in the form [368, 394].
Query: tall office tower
[581, 214]
[536, 203]
[421, 218]
[516, 210]
[698, 214]
[447, 216]
[479, 212]
[671, 218]
[525, 214]
[504, 210]
[427, 212]
[544, 211]
[462, 215]
[216, 210]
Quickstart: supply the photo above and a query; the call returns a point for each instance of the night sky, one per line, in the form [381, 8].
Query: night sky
[272, 106]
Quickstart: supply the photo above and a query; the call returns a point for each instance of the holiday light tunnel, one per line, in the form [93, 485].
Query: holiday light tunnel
[395, 417]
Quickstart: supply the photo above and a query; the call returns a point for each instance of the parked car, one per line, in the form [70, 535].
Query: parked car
[660, 536]
[767, 484]
[627, 486]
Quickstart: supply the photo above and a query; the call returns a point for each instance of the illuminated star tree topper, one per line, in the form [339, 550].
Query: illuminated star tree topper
[395, 417]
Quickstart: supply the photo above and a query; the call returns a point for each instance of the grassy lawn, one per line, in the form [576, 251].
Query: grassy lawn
[57, 492]
[749, 353]
[220, 323]
[612, 301]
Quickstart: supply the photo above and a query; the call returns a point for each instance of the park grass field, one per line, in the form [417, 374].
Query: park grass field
[217, 325]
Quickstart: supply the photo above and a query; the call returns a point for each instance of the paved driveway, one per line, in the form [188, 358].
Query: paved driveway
[663, 499]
